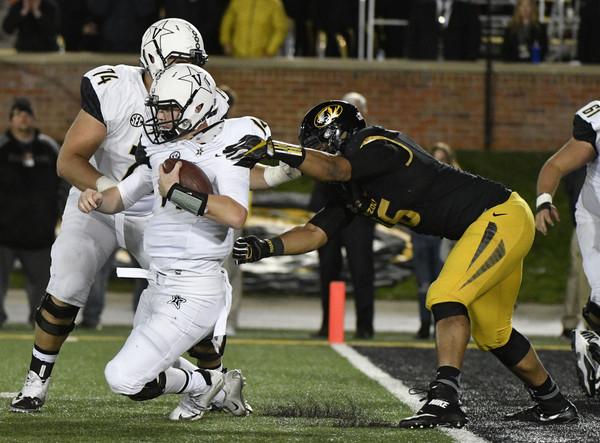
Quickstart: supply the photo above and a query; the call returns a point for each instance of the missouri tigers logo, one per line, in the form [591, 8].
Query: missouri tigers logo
[327, 115]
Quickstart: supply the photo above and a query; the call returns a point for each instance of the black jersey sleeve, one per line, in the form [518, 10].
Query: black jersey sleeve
[584, 131]
[332, 219]
[89, 100]
[377, 158]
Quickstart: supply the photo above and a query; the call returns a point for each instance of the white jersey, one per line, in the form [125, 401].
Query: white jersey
[177, 239]
[115, 96]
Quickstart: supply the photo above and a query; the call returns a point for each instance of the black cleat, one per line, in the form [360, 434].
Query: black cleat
[535, 414]
[442, 408]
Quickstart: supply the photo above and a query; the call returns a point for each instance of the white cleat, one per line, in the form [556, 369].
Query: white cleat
[193, 405]
[586, 345]
[32, 395]
[234, 402]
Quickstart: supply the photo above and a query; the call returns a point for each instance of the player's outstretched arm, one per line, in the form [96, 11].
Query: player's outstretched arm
[299, 240]
[572, 155]
[107, 202]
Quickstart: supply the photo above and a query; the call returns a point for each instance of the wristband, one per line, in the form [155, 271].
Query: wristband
[293, 155]
[104, 182]
[543, 201]
[275, 246]
[191, 201]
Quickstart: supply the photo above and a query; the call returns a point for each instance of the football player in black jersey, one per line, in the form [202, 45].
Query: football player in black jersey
[386, 176]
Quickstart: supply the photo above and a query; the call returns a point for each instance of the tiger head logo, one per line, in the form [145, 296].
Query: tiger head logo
[327, 115]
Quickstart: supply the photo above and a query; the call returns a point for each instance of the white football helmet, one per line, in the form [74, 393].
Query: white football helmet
[185, 97]
[171, 38]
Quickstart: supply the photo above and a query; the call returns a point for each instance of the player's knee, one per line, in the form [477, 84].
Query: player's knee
[55, 317]
[206, 355]
[120, 380]
[515, 349]
[591, 314]
[448, 309]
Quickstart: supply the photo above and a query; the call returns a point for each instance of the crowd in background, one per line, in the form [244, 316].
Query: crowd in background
[436, 29]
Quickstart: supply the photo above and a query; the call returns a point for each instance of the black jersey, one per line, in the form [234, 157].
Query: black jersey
[396, 182]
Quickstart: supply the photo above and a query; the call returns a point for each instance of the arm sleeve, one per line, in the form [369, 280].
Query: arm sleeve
[136, 186]
[332, 219]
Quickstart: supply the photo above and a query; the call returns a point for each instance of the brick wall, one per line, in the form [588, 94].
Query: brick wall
[533, 104]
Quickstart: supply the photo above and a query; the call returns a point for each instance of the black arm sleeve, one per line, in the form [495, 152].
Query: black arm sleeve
[89, 100]
[332, 219]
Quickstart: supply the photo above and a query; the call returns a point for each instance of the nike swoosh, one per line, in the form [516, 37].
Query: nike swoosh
[497, 215]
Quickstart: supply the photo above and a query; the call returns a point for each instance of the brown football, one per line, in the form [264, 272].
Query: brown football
[190, 175]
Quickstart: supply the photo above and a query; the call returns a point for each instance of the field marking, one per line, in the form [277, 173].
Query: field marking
[397, 389]
[8, 394]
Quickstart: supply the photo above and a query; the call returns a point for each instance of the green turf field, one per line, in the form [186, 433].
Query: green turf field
[301, 390]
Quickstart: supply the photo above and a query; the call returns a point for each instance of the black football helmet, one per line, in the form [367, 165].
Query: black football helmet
[329, 125]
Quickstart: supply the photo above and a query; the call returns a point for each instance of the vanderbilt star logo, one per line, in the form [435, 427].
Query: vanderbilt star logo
[177, 300]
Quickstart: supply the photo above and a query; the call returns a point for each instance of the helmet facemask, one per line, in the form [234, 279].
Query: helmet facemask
[181, 99]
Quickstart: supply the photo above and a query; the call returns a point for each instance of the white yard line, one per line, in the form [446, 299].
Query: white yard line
[397, 389]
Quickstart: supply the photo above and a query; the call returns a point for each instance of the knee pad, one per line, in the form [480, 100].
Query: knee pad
[515, 349]
[204, 351]
[448, 309]
[58, 312]
[591, 308]
[152, 389]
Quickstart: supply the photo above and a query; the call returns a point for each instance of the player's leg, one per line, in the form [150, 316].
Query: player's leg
[144, 367]
[83, 244]
[586, 344]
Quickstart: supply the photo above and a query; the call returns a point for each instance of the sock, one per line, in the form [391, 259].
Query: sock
[42, 362]
[549, 396]
[449, 375]
[183, 363]
[177, 380]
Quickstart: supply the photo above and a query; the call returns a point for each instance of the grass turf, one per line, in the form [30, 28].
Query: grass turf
[301, 390]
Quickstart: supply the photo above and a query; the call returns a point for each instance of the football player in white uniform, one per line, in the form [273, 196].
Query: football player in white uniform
[98, 151]
[188, 296]
[581, 149]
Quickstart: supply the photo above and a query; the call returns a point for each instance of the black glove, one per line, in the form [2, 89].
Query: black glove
[250, 249]
[248, 151]
[141, 158]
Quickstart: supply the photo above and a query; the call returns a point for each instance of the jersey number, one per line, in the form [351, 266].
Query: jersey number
[404, 217]
[106, 76]
[592, 110]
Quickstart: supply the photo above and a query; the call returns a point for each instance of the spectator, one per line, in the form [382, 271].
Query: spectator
[303, 35]
[32, 196]
[357, 240]
[525, 37]
[37, 23]
[334, 23]
[122, 23]
[444, 30]
[253, 28]
[428, 254]
[578, 289]
[589, 33]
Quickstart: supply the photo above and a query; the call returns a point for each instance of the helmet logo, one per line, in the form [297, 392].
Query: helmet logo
[327, 115]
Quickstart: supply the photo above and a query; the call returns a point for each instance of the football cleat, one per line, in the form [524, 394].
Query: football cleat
[442, 408]
[32, 395]
[234, 402]
[193, 404]
[536, 414]
[586, 345]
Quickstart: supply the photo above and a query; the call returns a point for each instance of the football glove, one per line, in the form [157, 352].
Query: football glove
[250, 149]
[141, 158]
[251, 248]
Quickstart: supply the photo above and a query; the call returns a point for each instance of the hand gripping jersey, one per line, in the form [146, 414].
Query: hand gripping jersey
[177, 237]
[403, 184]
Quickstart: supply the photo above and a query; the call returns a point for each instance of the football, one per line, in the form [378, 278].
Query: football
[190, 175]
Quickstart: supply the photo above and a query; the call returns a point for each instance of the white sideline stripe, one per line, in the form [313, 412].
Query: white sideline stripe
[397, 389]
[8, 394]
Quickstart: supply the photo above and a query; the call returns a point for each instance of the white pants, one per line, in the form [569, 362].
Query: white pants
[175, 312]
[588, 235]
[84, 243]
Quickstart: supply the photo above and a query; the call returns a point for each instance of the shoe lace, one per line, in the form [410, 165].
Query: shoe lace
[419, 391]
